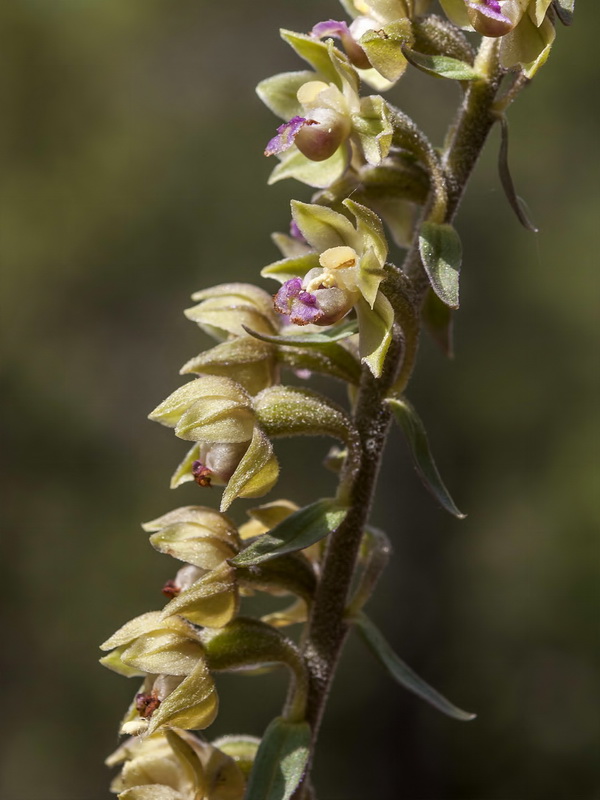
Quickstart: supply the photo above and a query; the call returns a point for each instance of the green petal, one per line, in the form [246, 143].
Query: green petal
[211, 601]
[279, 92]
[318, 174]
[163, 652]
[375, 327]
[315, 53]
[287, 268]
[324, 228]
[256, 473]
[370, 229]
[192, 705]
[193, 544]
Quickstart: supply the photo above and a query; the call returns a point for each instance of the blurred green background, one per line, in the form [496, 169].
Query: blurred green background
[132, 175]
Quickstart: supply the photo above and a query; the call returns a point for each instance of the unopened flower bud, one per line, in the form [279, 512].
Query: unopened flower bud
[170, 589]
[218, 461]
[494, 18]
[146, 704]
[325, 127]
[341, 31]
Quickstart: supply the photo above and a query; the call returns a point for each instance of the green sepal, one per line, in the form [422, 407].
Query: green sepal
[216, 419]
[192, 705]
[289, 246]
[298, 531]
[506, 180]
[256, 473]
[400, 217]
[442, 66]
[289, 411]
[294, 267]
[183, 472]
[403, 674]
[333, 334]
[384, 48]
[373, 128]
[438, 320]
[324, 228]
[328, 359]
[251, 363]
[212, 600]
[213, 522]
[163, 652]
[375, 327]
[414, 430]
[441, 254]
[370, 276]
[115, 663]
[369, 229]
[347, 74]
[528, 45]
[189, 759]
[208, 387]
[316, 53]
[456, 12]
[279, 92]
[318, 174]
[280, 762]
[224, 308]
[193, 544]
[138, 626]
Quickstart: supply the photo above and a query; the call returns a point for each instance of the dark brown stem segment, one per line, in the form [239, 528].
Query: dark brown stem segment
[327, 628]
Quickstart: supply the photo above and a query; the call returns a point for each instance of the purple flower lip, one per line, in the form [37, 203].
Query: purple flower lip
[330, 27]
[202, 475]
[286, 134]
[296, 303]
[489, 8]
[341, 31]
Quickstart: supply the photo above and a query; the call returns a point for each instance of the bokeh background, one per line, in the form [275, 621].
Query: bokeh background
[132, 175]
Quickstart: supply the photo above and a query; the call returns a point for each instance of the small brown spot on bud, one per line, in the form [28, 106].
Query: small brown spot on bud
[146, 704]
[170, 589]
[202, 475]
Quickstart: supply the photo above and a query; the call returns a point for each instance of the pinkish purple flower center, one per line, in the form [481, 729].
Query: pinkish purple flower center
[293, 301]
[286, 134]
[489, 8]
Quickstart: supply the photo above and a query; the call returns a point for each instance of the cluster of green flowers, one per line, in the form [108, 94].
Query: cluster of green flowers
[339, 307]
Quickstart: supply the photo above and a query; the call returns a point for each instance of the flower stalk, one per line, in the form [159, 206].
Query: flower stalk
[343, 310]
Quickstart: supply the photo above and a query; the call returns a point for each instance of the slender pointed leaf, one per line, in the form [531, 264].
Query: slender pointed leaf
[441, 253]
[333, 334]
[414, 430]
[441, 66]
[564, 10]
[506, 180]
[299, 530]
[403, 674]
[280, 761]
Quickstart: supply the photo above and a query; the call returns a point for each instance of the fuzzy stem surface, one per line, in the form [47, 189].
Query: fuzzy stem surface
[328, 628]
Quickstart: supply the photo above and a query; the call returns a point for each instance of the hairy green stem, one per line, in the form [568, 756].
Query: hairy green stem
[328, 627]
